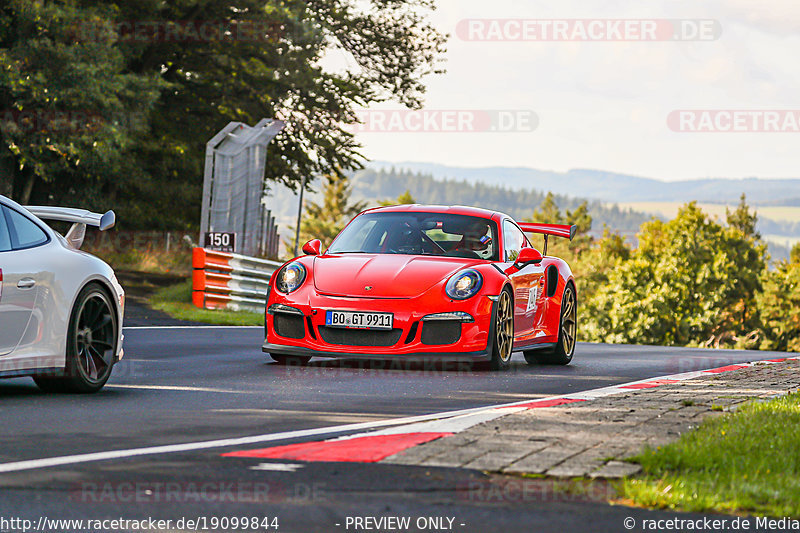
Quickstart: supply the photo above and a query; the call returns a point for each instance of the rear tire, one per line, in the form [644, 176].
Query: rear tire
[567, 334]
[92, 338]
[503, 332]
[290, 360]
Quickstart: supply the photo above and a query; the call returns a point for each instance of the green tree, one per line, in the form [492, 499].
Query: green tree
[581, 218]
[270, 64]
[749, 255]
[779, 308]
[593, 269]
[71, 111]
[742, 219]
[325, 220]
[403, 199]
[690, 281]
[548, 211]
[794, 255]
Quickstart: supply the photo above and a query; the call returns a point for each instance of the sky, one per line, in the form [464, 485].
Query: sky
[604, 104]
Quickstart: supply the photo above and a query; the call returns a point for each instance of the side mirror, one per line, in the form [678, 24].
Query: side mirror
[312, 247]
[529, 256]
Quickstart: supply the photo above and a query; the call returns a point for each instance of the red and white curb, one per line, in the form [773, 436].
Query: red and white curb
[374, 446]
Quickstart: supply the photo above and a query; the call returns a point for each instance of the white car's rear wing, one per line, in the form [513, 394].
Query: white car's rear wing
[77, 216]
[80, 218]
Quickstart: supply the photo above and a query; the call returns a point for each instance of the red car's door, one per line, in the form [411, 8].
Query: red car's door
[527, 283]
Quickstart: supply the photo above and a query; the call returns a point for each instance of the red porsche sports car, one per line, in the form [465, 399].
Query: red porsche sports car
[426, 282]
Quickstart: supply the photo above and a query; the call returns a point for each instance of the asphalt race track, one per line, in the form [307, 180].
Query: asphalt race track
[192, 384]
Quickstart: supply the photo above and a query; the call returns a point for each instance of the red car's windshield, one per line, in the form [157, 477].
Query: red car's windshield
[419, 234]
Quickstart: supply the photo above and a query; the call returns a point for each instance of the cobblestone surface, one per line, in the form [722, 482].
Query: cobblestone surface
[590, 439]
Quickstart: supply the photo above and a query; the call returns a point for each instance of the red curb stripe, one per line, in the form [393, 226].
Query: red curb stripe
[649, 384]
[368, 449]
[543, 403]
[725, 369]
[777, 360]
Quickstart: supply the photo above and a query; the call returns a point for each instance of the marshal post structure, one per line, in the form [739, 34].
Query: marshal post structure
[233, 189]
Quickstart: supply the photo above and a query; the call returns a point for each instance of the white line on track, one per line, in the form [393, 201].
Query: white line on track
[32, 464]
[278, 467]
[175, 388]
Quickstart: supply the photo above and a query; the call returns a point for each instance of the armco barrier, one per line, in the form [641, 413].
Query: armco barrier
[223, 280]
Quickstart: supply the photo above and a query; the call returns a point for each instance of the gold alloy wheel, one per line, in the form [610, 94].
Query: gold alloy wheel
[569, 321]
[504, 326]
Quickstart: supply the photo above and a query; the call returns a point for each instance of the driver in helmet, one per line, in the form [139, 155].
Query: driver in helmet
[477, 238]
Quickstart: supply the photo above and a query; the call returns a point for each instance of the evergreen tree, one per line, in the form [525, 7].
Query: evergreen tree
[325, 220]
[742, 219]
[547, 212]
[403, 199]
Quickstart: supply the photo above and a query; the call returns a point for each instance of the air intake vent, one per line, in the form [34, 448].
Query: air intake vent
[552, 280]
[412, 333]
[360, 337]
[441, 332]
[289, 326]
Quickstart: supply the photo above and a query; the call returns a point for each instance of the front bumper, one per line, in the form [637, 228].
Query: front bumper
[481, 355]
[473, 343]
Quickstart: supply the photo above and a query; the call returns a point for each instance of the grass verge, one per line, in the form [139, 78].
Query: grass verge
[175, 300]
[746, 461]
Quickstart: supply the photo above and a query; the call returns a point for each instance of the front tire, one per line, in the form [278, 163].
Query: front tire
[91, 345]
[503, 329]
[567, 334]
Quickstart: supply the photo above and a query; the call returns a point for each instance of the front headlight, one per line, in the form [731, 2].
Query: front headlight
[290, 278]
[464, 284]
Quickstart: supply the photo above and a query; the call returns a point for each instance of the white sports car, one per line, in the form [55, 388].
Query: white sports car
[60, 308]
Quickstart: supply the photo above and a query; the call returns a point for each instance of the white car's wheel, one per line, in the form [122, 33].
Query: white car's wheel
[91, 344]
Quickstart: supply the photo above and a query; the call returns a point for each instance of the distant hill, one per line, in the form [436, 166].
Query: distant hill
[613, 187]
[375, 186]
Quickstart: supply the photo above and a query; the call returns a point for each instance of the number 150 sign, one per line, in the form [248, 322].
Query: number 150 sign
[222, 242]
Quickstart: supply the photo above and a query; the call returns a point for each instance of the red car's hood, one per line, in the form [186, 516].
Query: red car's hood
[389, 276]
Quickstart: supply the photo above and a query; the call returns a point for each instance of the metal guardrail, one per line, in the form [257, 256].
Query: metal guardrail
[236, 282]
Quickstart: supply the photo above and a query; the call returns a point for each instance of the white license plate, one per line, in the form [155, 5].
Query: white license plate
[358, 320]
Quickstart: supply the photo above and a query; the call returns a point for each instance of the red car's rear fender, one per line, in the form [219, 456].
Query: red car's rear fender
[555, 285]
